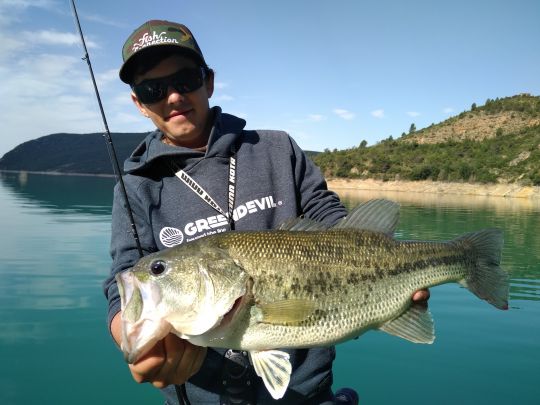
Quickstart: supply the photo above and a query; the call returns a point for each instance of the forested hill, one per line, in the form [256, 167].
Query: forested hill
[70, 153]
[73, 153]
[498, 142]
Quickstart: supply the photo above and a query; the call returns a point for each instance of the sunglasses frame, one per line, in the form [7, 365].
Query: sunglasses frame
[160, 86]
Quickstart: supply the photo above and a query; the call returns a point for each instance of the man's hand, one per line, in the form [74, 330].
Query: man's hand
[421, 296]
[171, 361]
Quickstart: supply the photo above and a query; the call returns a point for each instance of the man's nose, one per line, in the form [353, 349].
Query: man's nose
[173, 95]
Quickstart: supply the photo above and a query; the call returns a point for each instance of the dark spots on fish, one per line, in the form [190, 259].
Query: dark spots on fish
[379, 272]
[368, 277]
[353, 278]
[319, 313]
[408, 267]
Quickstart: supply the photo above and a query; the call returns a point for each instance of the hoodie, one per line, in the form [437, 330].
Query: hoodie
[274, 182]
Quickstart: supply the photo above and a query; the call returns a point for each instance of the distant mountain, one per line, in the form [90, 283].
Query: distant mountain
[73, 153]
[70, 153]
[498, 142]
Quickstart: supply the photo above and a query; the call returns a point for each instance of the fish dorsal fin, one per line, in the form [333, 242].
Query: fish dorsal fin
[303, 224]
[415, 325]
[274, 367]
[373, 215]
[286, 312]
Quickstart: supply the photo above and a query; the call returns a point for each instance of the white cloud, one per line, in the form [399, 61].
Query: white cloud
[316, 117]
[52, 37]
[413, 113]
[378, 113]
[345, 114]
[448, 110]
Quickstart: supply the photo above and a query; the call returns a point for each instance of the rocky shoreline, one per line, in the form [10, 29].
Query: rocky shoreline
[433, 187]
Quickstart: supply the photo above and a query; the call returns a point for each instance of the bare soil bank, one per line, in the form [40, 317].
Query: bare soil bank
[433, 187]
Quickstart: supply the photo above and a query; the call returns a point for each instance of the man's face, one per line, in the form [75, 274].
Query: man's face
[185, 118]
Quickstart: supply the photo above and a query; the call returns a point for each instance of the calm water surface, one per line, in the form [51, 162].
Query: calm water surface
[55, 347]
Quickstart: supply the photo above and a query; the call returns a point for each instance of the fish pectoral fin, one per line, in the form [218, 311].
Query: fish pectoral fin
[286, 311]
[415, 325]
[274, 367]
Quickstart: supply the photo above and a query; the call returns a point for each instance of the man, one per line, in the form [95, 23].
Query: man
[179, 184]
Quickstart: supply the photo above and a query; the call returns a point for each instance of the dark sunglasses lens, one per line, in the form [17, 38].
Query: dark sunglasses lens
[150, 92]
[183, 81]
[187, 80]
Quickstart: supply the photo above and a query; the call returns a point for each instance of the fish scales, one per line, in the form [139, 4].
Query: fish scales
[357, 279]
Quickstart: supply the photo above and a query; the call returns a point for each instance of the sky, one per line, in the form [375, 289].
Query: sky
[330, 73]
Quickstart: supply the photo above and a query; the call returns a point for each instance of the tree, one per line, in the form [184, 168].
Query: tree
[412, 129]
[363, 144]
[473, 106]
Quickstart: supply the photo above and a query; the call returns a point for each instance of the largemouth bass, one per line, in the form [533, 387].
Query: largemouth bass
[304, 285]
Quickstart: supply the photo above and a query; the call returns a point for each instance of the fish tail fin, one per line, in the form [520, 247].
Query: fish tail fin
[487, 279]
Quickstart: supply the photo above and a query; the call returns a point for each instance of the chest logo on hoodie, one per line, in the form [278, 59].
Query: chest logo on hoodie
[171, 236]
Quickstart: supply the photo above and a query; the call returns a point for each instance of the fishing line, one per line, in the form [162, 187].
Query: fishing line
[181, 392]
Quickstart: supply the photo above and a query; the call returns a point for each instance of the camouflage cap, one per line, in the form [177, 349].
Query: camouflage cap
[157, 33]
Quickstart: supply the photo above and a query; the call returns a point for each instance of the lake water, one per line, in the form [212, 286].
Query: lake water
[55, 347]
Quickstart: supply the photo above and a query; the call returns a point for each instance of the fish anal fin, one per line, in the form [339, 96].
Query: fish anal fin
[286, 312]
[415, 325]
[274, 367]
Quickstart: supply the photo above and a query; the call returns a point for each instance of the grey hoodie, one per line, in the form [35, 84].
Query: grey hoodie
[275, 182]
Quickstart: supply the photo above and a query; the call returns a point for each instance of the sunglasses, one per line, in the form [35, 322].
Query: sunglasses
[184, 81]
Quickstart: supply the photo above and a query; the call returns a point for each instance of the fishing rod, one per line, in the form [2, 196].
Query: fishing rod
[107, 135]
[180, 392]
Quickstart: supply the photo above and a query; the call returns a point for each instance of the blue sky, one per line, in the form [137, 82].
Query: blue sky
[331, 73]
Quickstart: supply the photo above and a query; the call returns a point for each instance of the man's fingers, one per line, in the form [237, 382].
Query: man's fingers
[421, 295]
[191, 362]
[149, 365]
[175, 351]
[171, 361]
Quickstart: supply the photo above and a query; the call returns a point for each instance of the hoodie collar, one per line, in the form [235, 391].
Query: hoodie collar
[223, 135]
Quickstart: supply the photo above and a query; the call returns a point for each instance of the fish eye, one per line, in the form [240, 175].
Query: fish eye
[158, 267]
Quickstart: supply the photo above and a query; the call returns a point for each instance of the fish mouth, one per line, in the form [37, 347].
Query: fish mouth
[139, 331]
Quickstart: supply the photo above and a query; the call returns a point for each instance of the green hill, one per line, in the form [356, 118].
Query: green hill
[496, 142]
[70, 153]
[73, 153]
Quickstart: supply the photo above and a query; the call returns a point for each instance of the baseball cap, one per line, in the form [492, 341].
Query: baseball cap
[156, 33]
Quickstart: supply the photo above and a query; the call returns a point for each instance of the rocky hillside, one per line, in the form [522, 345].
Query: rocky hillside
[498, 142]
[496, 117]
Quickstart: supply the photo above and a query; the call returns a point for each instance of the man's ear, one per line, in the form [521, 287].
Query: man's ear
[139, 105]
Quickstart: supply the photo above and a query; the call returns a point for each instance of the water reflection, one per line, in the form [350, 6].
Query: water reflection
[497, 204]
[444, 217]
[61, 194]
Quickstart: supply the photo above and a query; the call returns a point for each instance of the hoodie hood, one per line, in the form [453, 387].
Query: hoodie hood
[223, 135]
